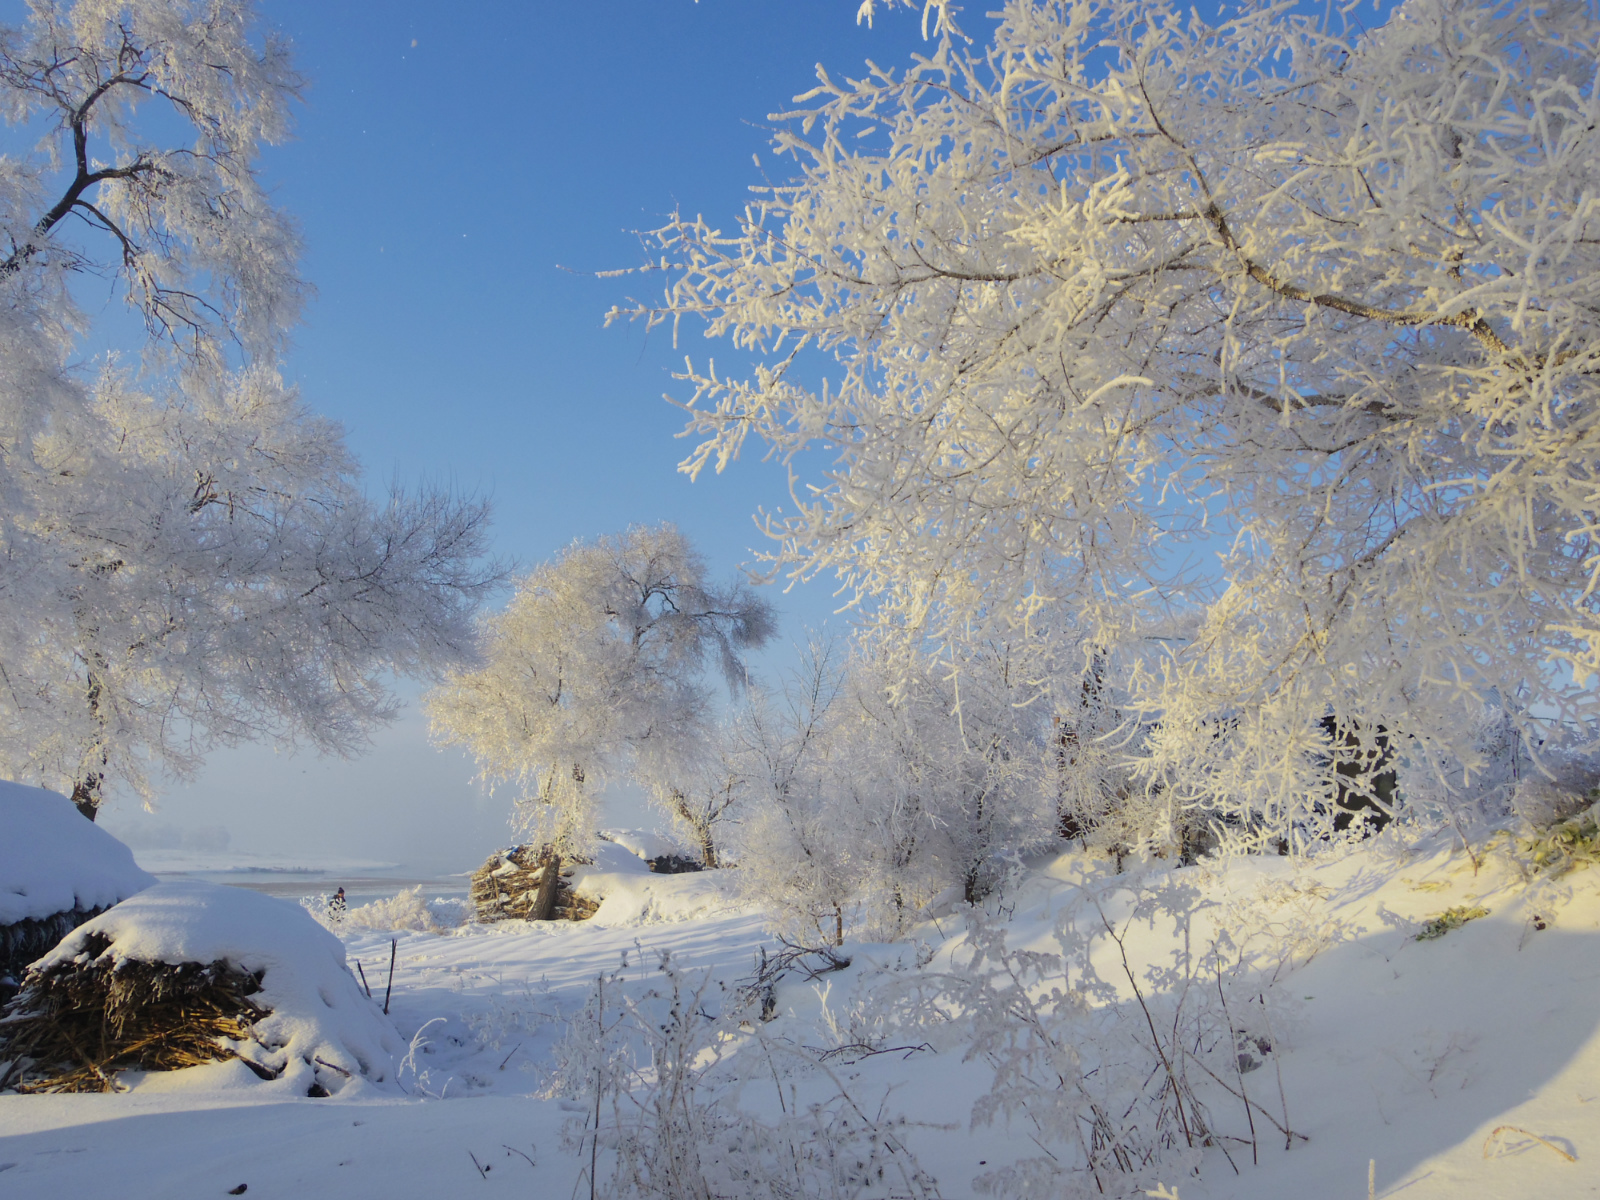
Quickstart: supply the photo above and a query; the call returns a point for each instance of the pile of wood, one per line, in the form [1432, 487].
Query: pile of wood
[525, 883]
[73, 1026]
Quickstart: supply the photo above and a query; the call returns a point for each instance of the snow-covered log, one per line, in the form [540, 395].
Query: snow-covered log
[56, 871]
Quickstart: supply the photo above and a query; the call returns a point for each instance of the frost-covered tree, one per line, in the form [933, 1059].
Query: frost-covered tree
[876, 786]
[188, 558]
[597, 670]
[1132, 277]
[958, 773]
[706, 801]
[801, 845]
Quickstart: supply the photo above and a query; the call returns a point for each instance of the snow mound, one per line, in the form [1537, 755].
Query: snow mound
[52, 860]
[642, 843]
[613, 859]
[321, 1029]
[630, 893]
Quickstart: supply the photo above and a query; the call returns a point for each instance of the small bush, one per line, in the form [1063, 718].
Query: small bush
[408, 910]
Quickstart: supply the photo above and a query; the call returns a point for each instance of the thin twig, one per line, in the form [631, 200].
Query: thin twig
[1161, 1051]
[1277, 1066]
[333, 1067]
[1216, 966]
[862, 1050]
[1289, 1134]
[600, 1024]
[514, 1150]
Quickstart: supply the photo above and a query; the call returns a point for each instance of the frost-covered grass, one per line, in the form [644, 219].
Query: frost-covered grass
[409, 909]
[1287, 1005]
[1565, 844]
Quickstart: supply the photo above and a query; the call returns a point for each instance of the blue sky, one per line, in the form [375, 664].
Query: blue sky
[449, 162]
[452, 160]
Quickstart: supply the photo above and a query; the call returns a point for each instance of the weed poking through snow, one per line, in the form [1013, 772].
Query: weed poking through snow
[1451, 918]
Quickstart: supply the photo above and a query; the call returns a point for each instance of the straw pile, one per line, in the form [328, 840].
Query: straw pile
[525, 883]
[76, 1023]
[23, 941]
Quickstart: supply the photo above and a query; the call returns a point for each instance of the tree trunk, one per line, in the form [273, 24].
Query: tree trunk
[698, 824]
[86, 794]
[544, 903]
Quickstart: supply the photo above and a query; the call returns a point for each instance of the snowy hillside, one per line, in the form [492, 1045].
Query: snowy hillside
[1459, 1065]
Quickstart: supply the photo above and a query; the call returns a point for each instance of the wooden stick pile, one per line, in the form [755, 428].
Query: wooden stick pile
[525, 883]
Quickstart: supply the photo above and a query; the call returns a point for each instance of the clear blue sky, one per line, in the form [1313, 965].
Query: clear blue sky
[450, 160]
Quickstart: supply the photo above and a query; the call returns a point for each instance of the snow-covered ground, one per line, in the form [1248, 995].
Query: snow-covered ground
[1408, 1054]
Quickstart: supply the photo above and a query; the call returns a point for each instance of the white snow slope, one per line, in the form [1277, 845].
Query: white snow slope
[1408, 1054]
[52, 860]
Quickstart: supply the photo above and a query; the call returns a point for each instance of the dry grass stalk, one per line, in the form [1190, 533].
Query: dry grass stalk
[1499, 1129]
[73, 1027]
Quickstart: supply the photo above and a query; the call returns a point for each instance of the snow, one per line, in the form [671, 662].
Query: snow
[1409, 1054]
[630, 893]
[318, 1010]
[52, 860]
[645, 844]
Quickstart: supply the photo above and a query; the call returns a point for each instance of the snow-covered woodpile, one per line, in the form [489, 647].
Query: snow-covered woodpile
[188, 973]
[57, 870]
[525, 883]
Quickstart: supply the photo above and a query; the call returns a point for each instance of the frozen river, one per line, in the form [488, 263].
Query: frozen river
[363, 881]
